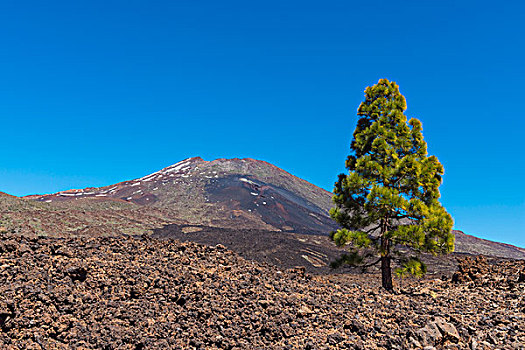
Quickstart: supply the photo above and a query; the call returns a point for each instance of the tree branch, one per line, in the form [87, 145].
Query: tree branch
[372, 229]
[371, 264]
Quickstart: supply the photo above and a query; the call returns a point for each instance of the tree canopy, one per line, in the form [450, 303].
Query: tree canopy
[390, 196]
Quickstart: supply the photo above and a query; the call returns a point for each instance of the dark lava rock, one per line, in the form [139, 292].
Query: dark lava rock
[521, 277]
[77, 274]
[143, 293]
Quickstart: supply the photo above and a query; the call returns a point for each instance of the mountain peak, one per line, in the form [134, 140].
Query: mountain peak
[177, 168]
[224, 192]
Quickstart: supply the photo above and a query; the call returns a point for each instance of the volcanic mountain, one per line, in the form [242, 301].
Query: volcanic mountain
[193, 196]
[221, 193]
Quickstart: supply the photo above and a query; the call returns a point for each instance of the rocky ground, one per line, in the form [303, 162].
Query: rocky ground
[142, 293]
[314, 252]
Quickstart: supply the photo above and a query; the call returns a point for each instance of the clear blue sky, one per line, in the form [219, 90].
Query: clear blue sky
[96, 92]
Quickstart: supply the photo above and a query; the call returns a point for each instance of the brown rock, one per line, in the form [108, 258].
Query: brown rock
[430, 334]
[448, 330]
[304, 311]
[149, 294]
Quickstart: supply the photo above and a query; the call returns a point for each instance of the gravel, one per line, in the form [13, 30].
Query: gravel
[143, 293]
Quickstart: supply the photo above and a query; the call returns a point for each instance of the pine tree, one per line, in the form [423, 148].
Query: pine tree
[390, 197]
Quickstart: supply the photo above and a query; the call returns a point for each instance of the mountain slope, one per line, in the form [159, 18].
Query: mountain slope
[9, 202]
[227, 193]
[474, 245]
[224, 193]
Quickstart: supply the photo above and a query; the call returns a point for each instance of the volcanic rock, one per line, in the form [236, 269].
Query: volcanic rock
[143, 293]
[448, 330]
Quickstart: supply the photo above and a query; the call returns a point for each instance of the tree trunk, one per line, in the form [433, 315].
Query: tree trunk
[386, 270]
[386, 273]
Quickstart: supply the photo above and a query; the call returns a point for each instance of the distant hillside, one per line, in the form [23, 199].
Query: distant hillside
[86, 217]
[9, 202]
[227, 193]
[224, 193]
[474, 245]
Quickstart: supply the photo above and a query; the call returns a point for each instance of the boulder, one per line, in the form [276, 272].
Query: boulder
[430, 334]
[448, 330]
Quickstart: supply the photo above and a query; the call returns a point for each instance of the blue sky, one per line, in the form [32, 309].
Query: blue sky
[93, 93]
